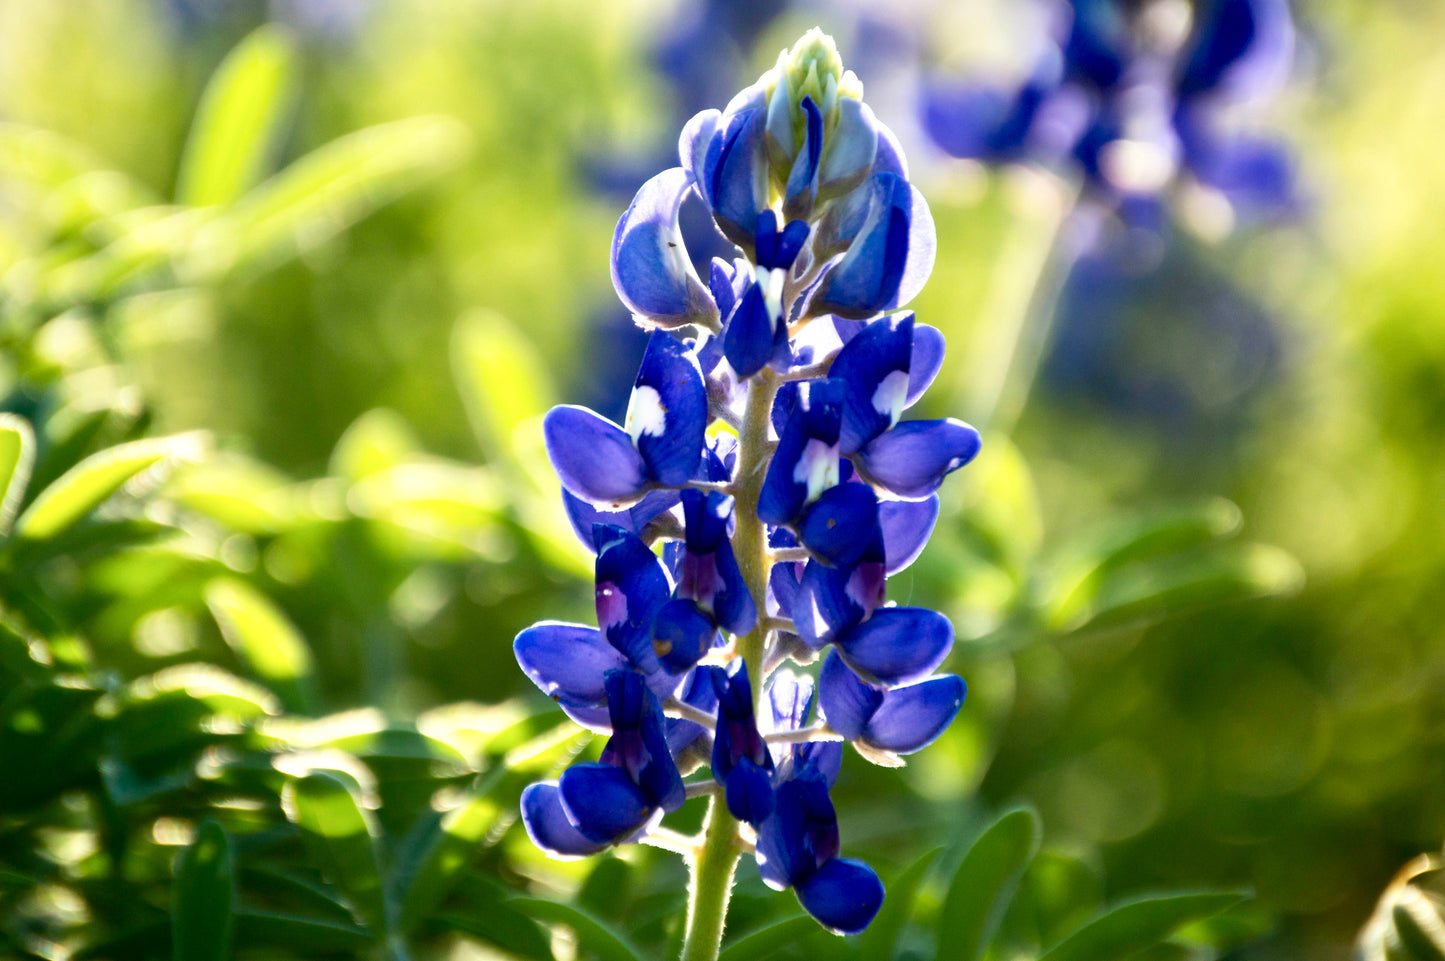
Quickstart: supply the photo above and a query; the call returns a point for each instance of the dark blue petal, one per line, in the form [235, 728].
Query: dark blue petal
[705, 519]
[912, 459]
[667, 416]
[1256, 175]
[603, 802]
[806, 461]
[888, 261]
[906, 526]
[926, 361]
[847, 702]
[638, 744]
[801, 833]
[969, 120]
[1096, 46]
[898, 644]
[818, 760]
[631, 586]
[851, 147]
[697, 692]
[681, 635]
[1241, 49]
[830, 601]
[802, 187]
[736, 175]
[840, 525]
[650, 267]
[548, 827]
[593, 457]
[733, 606]
[568, 662]
[778, 249]
[749, 792]
[585, 517]
[748, 339]
[912, 717]
[725, 294]
[844, 895]
[875, 365]
[783, 586]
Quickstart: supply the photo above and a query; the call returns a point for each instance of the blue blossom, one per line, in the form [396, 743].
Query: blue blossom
[1138, 97]
[769, 410]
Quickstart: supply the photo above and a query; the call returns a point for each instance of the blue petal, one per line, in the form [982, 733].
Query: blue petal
[926, 361]
[568, 662]
[736, 168]
[875, 365]
[681, 635]
[667, 416]
[1257, 176]
[748, 339]
[912, 459]
[593, 457]
[733, 606]
[1242, 49]
[847, 702]
[778, 249]
[968, 120]
[830, 601]
[890, 258]
[548, 827]
[801, 833]
[705, 519]
[697, 692]
[749, 792]
[851, 147]
[840, 525]
[844, 895]
[818, 760]
[692, 146]
[906, 525]
[635, 518]
[650, 267]
[889, 158]
[638, 744]
[912, 717]
[790, 698]
[898, 644]
[802, 187]
[631, 586]
[805, 462]
[603, 803]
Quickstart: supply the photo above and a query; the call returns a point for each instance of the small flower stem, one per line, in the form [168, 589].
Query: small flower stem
[818, 732]
[681, 709]
[712, 870]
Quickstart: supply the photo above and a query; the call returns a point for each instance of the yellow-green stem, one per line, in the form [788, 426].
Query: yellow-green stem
[712, 869]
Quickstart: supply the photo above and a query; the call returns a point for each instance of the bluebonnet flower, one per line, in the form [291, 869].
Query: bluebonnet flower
[1138, 96]
[766, 456]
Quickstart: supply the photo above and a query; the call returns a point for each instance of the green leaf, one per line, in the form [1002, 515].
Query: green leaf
[881, 937]
[17, 457]
[501, 378]
[327, 191]
[204, 897]
[261, 634]
[1130, 928]
[341, 836]
[592, 934]
[503, 926]
[240, 117]
[429, 864]
[298, 935]
[88, 484]
[984, 884]
[764, 941]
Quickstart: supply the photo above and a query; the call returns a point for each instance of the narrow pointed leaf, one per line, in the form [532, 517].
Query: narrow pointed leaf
[202, 913]
[881, 938]
[1131, 928]
[593, 934]
[17, 457]
[263, 636]
[88, 484]
[759, 944]
[430, 863]
[305, 936]
[241, 115]
[501, 378]
[985, 883]
[341, 836]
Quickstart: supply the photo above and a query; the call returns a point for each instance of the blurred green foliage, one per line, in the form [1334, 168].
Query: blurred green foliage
[279, 312]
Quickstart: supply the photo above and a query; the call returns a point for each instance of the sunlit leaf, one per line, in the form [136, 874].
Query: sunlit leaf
[239, 119]
[342, 837]
[985, 882]
[501, 378]
[326, 191]
[91, 482]
[378, 439]
[204, 897]
[17, 457]
[504, 926]
[261, 634]
[429, 862]
[1128, 929]
[593, 934]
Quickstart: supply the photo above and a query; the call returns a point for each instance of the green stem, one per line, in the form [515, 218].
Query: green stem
[712, 869]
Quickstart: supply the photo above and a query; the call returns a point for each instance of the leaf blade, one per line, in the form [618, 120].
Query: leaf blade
[203, 922]
[985, 882]
[1135, 926]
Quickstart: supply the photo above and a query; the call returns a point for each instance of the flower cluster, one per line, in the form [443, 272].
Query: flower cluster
[1138, 95]
[765, 451]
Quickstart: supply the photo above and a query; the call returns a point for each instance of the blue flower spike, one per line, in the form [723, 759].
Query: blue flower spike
[764, 486]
